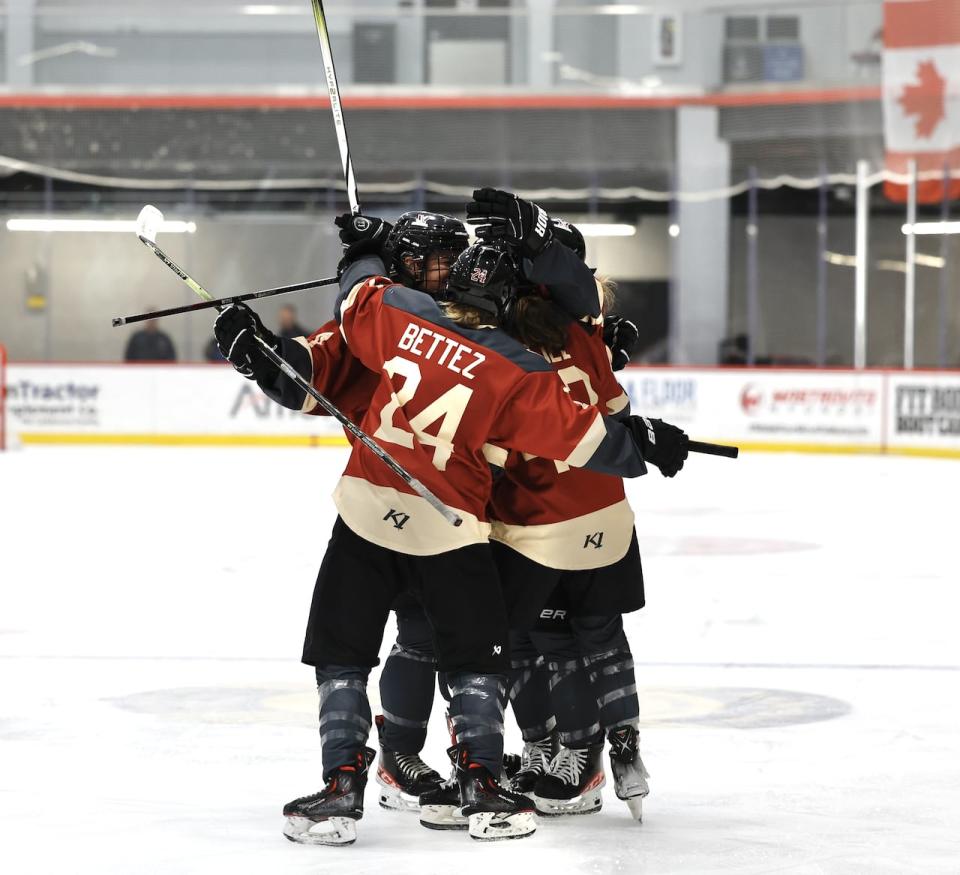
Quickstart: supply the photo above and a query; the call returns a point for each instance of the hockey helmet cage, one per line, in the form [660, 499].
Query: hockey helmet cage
[417, 235]
[483, 277]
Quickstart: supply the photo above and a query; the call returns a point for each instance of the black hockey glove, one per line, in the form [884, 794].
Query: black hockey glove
[621, 337]
[570, 236]
[235, 330]
[661, 444]
[503, 216]
[361, 235]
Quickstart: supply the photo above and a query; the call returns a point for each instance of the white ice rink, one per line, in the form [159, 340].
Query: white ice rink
[798, 665]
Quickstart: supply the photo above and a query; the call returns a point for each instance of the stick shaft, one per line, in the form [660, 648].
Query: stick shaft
[218, 302]
[333, 88]
[713, 449]
[361, 435]
[169, 262]
[326, 404]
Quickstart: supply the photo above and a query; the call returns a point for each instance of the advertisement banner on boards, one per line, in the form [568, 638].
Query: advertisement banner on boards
[924, 411]
[828, 408]
[179, 400]
[757, 408]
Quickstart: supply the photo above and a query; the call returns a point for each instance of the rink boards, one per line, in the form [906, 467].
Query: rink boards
[915, 412]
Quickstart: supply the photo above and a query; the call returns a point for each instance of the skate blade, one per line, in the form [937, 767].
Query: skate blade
[491, 826]
[586, 804]
[335, 831]
[635, 806]
[442, 817]
[396, 800]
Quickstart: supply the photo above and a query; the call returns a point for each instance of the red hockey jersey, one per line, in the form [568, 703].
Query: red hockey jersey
[337, 374]
[443, 393]
[563, 517]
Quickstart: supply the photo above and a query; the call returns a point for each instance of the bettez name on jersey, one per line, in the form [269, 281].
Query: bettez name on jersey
[444, 391]
[463, 361]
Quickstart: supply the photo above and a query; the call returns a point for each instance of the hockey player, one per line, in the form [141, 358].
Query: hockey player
[408, 678]
[407, 546]
[564, 789]
[419, 250]
[570, 532]
[567, 778]
[553, 696]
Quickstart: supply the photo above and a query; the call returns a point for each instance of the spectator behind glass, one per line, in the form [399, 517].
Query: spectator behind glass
[289, 327]
[150, 344]
[211, 352]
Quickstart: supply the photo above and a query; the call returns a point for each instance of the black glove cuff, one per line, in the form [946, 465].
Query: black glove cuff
[358, 250]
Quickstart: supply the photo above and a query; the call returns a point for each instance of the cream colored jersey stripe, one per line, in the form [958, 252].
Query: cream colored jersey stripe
[588, 443]
[618, 403]
[309, 402]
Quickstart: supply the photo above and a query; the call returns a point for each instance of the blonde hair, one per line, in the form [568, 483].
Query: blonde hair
[466, 316]
[608, 289]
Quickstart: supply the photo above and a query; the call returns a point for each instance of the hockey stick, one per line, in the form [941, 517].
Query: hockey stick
[148, 222]
[713, 449]
[334, 90]
[217, 302]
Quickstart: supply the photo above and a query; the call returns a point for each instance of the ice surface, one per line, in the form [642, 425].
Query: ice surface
[798, 663]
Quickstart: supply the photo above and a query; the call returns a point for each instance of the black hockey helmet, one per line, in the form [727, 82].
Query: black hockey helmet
[417, 235]
[570, 236]
[484, 277]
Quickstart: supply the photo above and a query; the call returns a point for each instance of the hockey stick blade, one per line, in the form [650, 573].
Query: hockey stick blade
[724, 450]
[148, 223]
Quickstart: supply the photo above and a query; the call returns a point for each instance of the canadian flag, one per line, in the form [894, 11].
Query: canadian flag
[921, 92]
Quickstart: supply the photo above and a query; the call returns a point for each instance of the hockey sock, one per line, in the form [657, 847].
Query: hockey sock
[529, 693]
[615, 686]
[574, 703]
[406, 686]
[476, 711]
[344, 714]
[609, 666]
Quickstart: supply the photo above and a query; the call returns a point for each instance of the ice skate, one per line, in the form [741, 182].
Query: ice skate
[403, 778]
[629, 774]
[512, 763]
[329, 817]
[440, 806]
[494, 813]
[534, 762]
[572, 782]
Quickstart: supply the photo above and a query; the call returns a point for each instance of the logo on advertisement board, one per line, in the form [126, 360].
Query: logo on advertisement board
[750, 398]
[754, 400]
[670, 395]
[52, 403]
[250, 399]
[928, 409]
